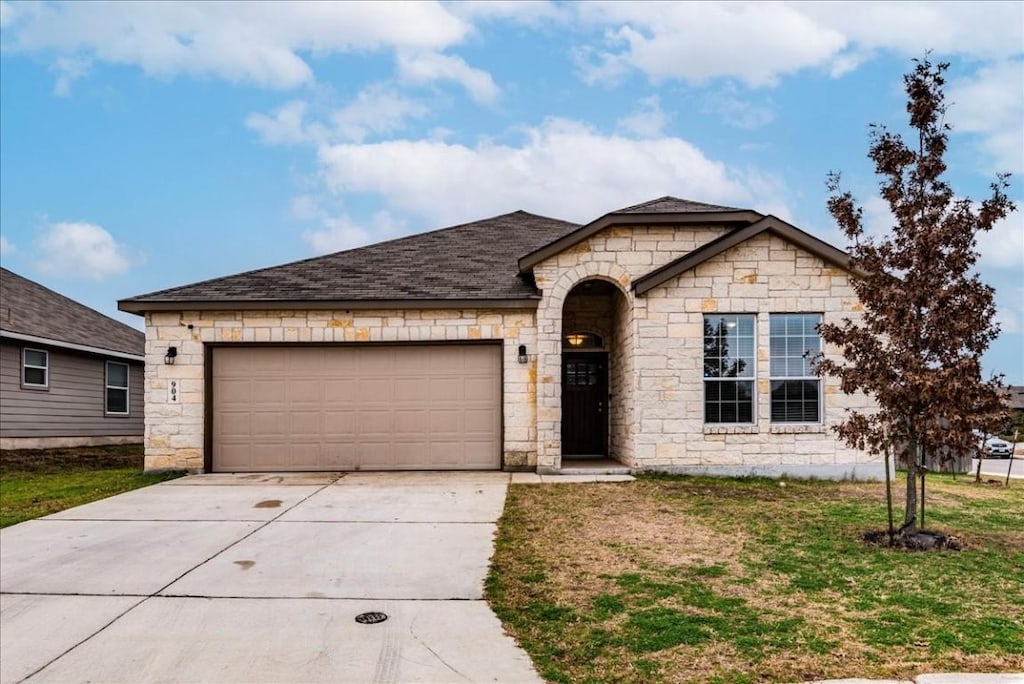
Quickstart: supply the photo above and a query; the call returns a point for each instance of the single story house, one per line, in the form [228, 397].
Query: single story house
[670, 335]
[69, 376]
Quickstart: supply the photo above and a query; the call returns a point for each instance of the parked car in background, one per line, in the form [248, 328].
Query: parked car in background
[997, 448]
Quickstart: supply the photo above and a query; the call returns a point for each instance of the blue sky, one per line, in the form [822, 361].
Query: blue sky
[149, 145]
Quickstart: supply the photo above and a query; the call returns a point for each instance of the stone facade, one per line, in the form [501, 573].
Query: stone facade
[655, 345]
[175, 430]
[657, 406]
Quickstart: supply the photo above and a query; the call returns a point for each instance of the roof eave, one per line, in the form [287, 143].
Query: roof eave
[787, 231]
[89, 349]
[142, 307]
[739, 217]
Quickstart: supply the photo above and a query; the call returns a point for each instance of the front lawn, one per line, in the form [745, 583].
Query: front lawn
[34, 483]
[680, 579]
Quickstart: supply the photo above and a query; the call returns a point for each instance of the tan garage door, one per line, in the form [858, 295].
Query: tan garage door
[356, 408]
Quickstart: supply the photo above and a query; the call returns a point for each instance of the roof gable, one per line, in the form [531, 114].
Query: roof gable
[661, 211]
[472, 263]
[29, 309]
[671, 205]
[772, 224]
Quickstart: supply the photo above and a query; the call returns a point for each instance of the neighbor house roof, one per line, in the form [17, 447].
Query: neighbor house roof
[32, 313]
[770, 224]
[1016, 396]
[473, 262]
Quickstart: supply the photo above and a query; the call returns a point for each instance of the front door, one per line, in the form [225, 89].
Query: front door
[585, 404]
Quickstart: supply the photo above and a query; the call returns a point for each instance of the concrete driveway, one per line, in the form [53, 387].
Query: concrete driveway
[259, 578]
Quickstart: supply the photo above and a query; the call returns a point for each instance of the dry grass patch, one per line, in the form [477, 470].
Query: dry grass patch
[714, 580]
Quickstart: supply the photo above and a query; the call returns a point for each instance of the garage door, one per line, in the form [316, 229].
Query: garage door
[356, 408]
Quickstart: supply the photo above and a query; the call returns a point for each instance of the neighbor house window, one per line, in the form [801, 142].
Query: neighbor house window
[35, 368]
[796, 391]
[117, 387]
[729, 368]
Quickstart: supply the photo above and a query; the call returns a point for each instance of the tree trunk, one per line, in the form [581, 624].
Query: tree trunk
[910, 512]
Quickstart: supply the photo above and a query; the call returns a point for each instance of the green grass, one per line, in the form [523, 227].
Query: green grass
[37, 483]
[750, 580]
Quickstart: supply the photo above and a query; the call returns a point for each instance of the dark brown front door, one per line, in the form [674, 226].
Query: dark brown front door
[585, 404]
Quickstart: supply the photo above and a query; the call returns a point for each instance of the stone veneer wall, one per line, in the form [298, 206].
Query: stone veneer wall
[761, 276]
[667, 432]
[617, 255]
[174, 434]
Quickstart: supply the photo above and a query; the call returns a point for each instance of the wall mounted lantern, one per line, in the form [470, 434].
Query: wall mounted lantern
[523, 358]
[171, 355]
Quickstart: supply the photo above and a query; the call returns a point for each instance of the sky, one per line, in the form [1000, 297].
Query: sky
[155, 144]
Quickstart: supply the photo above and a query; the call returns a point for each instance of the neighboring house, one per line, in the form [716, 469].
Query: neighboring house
[670, 335]
[69, 376]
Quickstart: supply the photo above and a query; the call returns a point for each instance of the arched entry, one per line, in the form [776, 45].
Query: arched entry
[593, 331]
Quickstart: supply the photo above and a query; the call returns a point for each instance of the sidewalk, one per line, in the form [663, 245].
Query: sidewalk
[938, 678]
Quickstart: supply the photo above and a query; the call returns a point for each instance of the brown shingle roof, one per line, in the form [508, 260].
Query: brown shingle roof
[472, 261]
[29, 308]
[671, 205]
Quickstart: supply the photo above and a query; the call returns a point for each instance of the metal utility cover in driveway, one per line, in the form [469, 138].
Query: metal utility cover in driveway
[224, 591]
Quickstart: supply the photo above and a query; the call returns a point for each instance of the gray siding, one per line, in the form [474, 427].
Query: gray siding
[74, 403]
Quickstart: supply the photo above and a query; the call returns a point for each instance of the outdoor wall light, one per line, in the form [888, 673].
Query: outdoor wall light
[576, 340]
[523, 358]
[171, 355]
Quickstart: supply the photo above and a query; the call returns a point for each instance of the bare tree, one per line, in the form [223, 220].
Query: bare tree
[927, 316]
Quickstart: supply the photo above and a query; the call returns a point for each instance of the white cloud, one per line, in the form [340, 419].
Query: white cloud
[81, 250]
[1003, 246]
[68, 70]
[7, 13]
[377, 109]
[252, 42]
[423, 68]
[648, 121]
[341, 232]
[286, 125]
[1009, 320]
[736, 111]
[755, 43]
[758, 43]
[562, 168]
[991, 104]
[7, 248]
[528, 12]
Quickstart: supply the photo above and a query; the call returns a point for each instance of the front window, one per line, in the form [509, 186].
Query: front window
[35, 368]
[117, 387]
[796, 391]
[729, 344]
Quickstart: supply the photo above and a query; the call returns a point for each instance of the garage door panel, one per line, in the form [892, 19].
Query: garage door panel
[305, 390]
[303, 456]
[234, 390]
[482, 422]
[376, 455]
[305, 423]
[339, 389]
[268, 391]
[340, 424]
[347, 408]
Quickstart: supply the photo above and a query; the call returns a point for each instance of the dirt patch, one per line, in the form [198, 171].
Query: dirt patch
[85, 458]
[269, 503]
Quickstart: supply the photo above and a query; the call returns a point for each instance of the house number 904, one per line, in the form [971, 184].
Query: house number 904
[172, 391]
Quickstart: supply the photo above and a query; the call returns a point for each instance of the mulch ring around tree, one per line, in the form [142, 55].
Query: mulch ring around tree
[922, 540]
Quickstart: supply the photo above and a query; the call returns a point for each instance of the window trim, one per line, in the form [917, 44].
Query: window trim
[127, 389]
[782, 378]
[25, 365]
[752, 379]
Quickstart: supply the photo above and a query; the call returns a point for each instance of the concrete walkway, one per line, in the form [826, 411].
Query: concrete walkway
[937, 678]
[259, 579]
